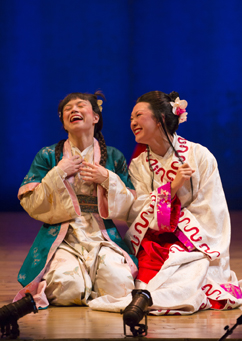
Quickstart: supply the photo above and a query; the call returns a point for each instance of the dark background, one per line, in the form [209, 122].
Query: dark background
[125, 48]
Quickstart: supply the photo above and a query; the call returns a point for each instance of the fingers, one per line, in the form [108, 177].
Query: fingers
[186, 168]
[88, 167]
[75, 157]
[87, 164]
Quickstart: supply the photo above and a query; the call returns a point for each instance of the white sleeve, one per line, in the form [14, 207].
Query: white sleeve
[205, 221]
[115, 201]
[53, 200]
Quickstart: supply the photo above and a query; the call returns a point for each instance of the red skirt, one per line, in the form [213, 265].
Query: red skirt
[153, 252]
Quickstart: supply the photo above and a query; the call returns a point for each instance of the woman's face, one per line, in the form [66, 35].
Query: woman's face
[143, 124]
[79, 116]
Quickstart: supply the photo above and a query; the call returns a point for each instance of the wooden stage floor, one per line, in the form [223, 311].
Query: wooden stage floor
[18, 231]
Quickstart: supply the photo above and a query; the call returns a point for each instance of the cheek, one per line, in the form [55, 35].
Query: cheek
[65, 120]
[64, 117]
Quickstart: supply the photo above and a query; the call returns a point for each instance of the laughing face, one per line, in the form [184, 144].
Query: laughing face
[143, 124]
[78, 116]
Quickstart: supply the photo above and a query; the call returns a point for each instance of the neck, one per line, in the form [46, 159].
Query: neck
[81, 142]
[160, 146]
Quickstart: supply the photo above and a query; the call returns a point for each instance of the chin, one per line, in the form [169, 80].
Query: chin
[139, 140]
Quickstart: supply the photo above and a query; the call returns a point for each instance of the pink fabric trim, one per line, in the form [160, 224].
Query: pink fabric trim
[97, 152]
[37, 287]
[27, 188]
[232, 289]
[102, 202]
[73, 197]
[133, 267]
[66, 155]
[164, 207]
[183, 238]
[67, 149]
[133, 192]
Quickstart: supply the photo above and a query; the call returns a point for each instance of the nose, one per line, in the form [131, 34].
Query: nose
[74, 108]
[133, 123]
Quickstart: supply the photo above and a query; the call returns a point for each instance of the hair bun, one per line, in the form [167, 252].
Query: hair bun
[173, 95]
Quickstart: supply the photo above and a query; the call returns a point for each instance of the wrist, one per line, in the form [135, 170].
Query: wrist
[105, 183]
[61, 172]
[174, 189]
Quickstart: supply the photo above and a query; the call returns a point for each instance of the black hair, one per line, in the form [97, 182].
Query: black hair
[159, 103]
[92, 98]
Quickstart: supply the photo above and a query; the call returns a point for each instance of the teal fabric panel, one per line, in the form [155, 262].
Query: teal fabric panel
[36, 258]
[43, 162]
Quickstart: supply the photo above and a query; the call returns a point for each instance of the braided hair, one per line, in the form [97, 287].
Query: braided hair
[160, 105]
[92, 98]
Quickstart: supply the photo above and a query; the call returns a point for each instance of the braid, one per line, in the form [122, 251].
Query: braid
[58, 150]
[99, 136]
[152, 180]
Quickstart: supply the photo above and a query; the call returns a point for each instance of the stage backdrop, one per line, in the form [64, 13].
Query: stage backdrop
[125, 48]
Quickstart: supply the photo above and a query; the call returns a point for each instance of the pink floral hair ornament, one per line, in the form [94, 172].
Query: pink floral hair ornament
[179, 109]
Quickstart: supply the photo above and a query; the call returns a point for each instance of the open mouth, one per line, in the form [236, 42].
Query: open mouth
[76, 118]
[136, 131]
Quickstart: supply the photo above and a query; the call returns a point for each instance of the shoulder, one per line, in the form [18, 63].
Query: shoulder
[46, 156]
[43, 162]
[201, 151]
[201, 155]
[115, 157]
[49, 150]
[114, 152]
[116, 161]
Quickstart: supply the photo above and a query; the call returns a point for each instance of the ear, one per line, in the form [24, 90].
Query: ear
[163, 120]
[96, 118]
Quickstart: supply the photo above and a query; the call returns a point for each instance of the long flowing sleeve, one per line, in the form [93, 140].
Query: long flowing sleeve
[205, 220]
[45, 194]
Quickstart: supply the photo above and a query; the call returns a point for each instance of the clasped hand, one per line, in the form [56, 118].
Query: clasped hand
[89, 172]
[70, 165]
[93, 173]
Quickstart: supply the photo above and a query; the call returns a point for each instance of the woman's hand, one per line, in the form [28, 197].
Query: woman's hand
[70, 166]
[183, 174]
[93, 173]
